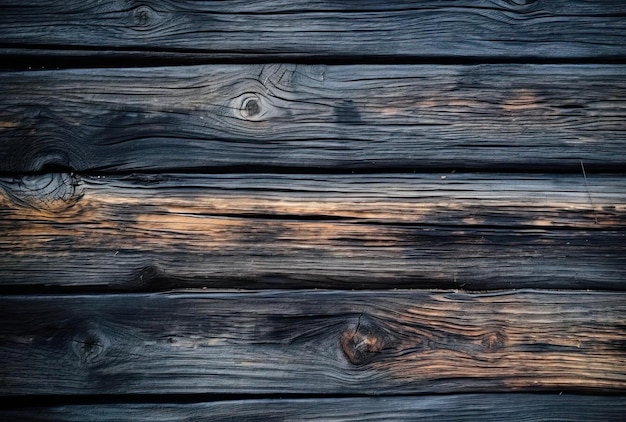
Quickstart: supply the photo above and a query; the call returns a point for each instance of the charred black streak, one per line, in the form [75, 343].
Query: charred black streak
[347, 113]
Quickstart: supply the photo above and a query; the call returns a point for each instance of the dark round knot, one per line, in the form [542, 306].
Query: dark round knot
[362, 342]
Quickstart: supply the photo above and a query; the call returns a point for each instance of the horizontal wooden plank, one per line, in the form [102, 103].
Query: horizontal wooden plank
[464, 407]
[461, 230]
[312, 342]
[526, 117]
[280, 28]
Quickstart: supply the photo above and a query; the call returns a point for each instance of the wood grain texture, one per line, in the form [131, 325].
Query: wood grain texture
[461, 230]
[312, 342]
[465, 407]
[525, 117]
[327, 28]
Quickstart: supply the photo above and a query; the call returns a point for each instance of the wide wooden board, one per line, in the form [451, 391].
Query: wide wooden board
[331, 118]
[273, 29]
[464, 407]
[452, 230]
[312, 342]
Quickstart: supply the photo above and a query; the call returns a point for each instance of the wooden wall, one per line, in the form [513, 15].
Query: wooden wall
[313, 210]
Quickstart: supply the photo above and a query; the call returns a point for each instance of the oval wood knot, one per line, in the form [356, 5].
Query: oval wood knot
[143, 17]
[148, 276]
[89, 346]
[251, 106]
[363, 341]
[49, 193]
[494, 341]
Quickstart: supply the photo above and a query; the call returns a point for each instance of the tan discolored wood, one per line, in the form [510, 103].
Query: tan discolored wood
[454, 230]
[276, 29]
[462, 407]
[412, 117]
[282, 342]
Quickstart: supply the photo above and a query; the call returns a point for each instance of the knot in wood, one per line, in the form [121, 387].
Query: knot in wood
[89, 346]
[362, 342]
[149, 276]
[250, 106]
[494, 341]
[49, 193]
[143, 16]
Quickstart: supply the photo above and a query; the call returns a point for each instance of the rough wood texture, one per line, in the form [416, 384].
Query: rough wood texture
[312, 342]
[466, 407]
[327, 28]
[459, 144]
[460, 230]
[526, 117]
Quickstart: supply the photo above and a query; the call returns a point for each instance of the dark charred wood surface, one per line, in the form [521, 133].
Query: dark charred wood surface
[332, 118]
[453, 230]
[155, 152]
[312, 342]
[465, 407]
[533, 29]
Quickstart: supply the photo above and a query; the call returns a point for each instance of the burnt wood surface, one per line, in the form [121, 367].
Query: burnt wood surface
[448, 173]
[466, 407]
[452, 230]
[315, 118]
[523, 29]
[312, 342]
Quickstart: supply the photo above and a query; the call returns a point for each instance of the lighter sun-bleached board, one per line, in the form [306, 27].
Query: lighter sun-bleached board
[452, 230]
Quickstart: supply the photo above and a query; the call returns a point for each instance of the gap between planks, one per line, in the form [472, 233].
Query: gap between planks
[467, 407]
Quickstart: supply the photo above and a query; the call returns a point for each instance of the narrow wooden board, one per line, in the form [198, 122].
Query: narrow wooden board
[525, 117]
[464, 407]
[461, 230]
[312, 342]
[322, 28]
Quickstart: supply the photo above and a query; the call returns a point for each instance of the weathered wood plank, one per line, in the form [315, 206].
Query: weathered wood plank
[312, 342]
[326, 28]
[460, 230]
[528, 117]
[464, 407]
